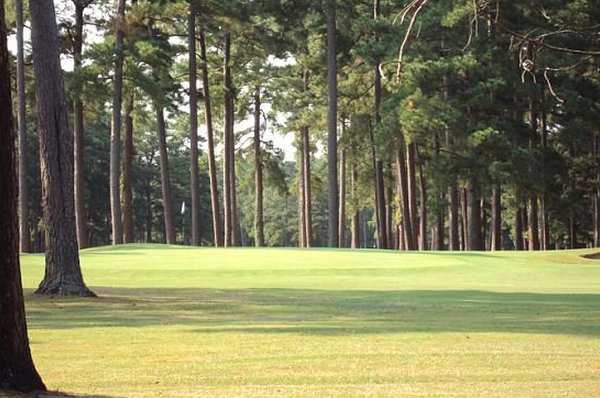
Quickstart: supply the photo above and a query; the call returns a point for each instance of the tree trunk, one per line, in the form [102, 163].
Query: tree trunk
[63, 273]
[333, 204]
[496, 218]
[17, 371]
[342, 213]
[465, 219]
[474, 238]
[423, 244]
[453, 219]
[301, 198]
[534, 238]
[212, 165]
[355, 244]
[128, 153]
[544, 224]
[518, 222]
[194, 172]
[24, 233]
[115, 132]
[401, 173]
[165, 179]
[307, 187]
[596, 195]
[226, 145]
[412, 188]
[258, 174]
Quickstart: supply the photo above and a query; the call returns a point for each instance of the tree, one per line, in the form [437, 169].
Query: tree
[258, 173]
[24, 238]
[115, 129]
[17, 371]
[212, 165]
[194, 175]
[78, 130]
[332, 176]
[63, 273]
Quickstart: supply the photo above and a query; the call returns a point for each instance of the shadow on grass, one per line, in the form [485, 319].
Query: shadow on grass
[47, 394]
[323, 312]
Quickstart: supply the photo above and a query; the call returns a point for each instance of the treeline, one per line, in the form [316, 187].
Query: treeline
[418, 125]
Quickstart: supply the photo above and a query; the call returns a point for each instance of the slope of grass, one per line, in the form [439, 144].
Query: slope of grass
[179, 322]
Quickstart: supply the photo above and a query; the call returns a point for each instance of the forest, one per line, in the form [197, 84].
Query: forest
[462, 125]
[407, 126]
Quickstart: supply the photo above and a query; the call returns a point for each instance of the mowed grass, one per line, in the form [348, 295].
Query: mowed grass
[183, 322]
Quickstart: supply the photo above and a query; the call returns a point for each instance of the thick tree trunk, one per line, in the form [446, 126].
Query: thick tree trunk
[544, 224]
[194, 172]
[17, 371]
[402, 175]
[63, 273]
[212, 164]
[355, 243]
[342, 213]
[474, 234]
[115, 132]
[496, 240]
[227, 208]
[24, 232]
[332, 176]
[165, 179]
[258, 174]
[128, 153]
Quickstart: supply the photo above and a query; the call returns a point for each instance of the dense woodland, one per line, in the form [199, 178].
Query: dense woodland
[429, 125]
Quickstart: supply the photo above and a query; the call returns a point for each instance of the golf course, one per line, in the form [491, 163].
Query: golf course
[178, 321]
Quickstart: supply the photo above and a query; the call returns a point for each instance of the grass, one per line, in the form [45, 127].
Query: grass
[181, 322]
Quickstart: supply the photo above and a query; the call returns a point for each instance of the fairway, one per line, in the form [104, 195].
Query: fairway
[181, 322]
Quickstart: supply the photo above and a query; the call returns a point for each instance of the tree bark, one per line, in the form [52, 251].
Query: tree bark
[258, 174]
[412, 188]
[596, 195]
[24, 232]
[534, 239]
[355, 212]
[453, 219]
[227, 146]
[423, 244]
[342, 213]
[496, 243]
[165, 179]
[333, 204]
[63, 273]
[194, 172]
[301, 198]
[115, 132]
[17, 371]
[518, 222]
[307, 187]
[402, 175]
[128, 153]
[474, 236]
[465, 219]
[212, 165]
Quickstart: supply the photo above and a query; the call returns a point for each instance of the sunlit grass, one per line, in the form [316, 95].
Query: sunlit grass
[179, 322]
